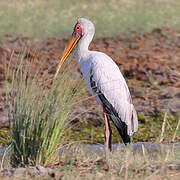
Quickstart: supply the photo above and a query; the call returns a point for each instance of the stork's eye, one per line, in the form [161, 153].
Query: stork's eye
[78, 29]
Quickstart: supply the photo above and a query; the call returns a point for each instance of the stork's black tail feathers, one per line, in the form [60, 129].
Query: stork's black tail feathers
[113, 116]
[121, 127]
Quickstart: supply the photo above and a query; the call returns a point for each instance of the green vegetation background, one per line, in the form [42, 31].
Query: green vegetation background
[43, 18]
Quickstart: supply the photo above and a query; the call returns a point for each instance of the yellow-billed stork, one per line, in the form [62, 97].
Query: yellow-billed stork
[104, 81]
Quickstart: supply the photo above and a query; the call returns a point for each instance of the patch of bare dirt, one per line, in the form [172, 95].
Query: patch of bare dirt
[150, 63]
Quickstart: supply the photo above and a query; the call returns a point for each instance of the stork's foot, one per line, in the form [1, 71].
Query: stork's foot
[108, 140]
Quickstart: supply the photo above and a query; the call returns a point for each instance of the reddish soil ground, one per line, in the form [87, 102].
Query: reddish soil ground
[150, 62]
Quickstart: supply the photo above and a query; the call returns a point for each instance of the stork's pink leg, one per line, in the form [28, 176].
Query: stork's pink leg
[108, 130]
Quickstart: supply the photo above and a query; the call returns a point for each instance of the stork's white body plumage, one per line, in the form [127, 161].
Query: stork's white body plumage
[110, 82]
[108, 78]
[105, 83]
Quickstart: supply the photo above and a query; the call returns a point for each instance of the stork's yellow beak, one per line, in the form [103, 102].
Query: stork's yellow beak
[68, 50]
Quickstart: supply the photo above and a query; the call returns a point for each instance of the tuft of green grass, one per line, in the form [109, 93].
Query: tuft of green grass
[4, 135]
[38, 117]
[111, 17]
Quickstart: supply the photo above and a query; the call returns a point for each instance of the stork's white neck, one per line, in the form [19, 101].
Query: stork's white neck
[82, 47]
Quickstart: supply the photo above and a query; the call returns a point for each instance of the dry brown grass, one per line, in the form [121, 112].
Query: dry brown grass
[78, 162]
[125, 164]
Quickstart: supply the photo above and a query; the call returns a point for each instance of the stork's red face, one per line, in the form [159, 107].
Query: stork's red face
[76, 35]
[77, 30]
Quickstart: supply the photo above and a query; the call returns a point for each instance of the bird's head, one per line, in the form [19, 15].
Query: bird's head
[82, 29]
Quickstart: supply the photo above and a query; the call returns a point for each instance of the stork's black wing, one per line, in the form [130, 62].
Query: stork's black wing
[111, 112]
